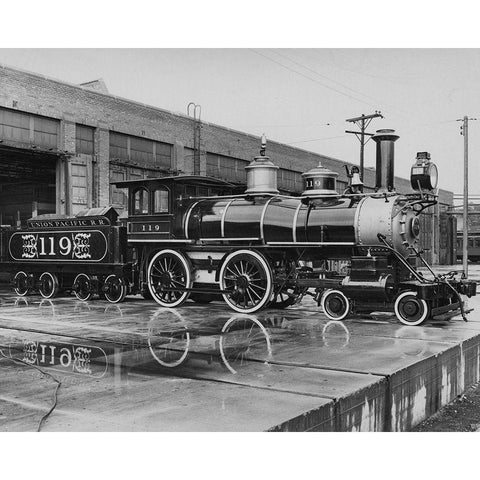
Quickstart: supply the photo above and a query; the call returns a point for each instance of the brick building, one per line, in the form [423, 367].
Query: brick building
[62, 144]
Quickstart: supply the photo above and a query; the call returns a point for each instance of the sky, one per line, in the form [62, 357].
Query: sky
[300, 96]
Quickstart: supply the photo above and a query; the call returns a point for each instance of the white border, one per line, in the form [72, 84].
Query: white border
[53, 260]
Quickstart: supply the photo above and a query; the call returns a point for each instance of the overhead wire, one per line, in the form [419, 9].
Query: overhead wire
[398, 110]
[323, 76]
[314, 79]
[315, 140]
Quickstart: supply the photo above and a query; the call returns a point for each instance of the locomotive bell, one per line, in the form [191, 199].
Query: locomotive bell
[385, 163]
[261, 173]
[320, 181]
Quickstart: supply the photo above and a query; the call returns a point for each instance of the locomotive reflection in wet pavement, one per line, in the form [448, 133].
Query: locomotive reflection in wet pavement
[97, 338]
[137, 357]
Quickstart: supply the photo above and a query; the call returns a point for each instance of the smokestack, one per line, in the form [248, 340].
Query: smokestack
[385, 167]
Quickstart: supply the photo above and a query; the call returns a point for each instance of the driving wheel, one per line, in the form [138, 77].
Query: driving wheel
[246, 279]
[168, 275]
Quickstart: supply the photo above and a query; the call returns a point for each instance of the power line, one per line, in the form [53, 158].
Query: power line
[286, 125]
[315, 139]
[324, 76]
[392, 107]
[313, 79]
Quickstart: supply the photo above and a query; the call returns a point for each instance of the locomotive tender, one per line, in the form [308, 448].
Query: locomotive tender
[196, 237]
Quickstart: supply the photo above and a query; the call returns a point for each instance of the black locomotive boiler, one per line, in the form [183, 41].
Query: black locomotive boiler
[195, 237]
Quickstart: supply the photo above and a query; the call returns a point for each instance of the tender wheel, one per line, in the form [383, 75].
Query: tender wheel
[48, 285]
[335, 304]
[247, 277]
[168, 271]
[21, 284]
[411, 310]
[82, 287]
[115, 289]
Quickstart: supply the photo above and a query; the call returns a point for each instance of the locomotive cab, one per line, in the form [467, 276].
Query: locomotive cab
[156, 216]
[155, 206]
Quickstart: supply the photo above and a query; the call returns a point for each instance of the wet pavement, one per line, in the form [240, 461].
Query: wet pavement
[137, 366]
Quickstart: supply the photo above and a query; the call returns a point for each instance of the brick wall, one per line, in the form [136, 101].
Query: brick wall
[73, 104]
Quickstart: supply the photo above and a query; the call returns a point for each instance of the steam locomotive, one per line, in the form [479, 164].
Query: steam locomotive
[198, 238]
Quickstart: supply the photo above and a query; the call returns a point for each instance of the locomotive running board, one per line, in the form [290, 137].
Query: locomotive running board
[319, 282]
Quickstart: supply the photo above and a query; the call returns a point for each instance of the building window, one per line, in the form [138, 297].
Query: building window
[163, 155]
[141, 150]
[118, 146]
[118, 195]
[45, 132]
[79, 187]
[31, 129]
[140, 202]
[290, 180]
[160, 201]
[14, 126]
[226, 168]
[84, 139]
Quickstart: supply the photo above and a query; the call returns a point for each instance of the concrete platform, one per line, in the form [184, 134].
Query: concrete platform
[137, 366]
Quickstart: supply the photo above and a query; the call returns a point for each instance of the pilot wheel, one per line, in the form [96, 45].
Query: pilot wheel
[168, 275]
[411, 310]
[247, 279]
[335, 304]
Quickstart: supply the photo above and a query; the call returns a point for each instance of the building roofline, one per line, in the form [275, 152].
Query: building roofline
[175, 114]
[154, 108]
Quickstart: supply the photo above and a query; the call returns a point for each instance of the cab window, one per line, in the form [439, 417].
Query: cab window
[160, 201]
[140, 202]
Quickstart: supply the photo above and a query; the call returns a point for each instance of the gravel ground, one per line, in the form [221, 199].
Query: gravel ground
[462, 415]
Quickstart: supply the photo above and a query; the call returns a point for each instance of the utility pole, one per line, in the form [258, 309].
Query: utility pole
[464, 132]
[362, 123]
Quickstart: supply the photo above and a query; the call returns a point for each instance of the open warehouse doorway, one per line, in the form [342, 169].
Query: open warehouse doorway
[27, 184]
